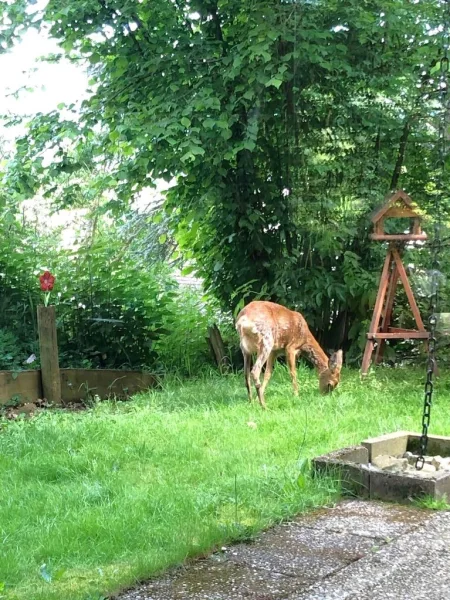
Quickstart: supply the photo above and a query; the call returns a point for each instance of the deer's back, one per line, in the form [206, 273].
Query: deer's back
[261, 319]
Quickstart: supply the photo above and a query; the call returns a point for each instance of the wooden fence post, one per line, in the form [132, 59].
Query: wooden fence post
[48, 345]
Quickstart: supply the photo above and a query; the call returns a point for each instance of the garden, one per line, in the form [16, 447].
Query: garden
[184, 160]
[94, 501]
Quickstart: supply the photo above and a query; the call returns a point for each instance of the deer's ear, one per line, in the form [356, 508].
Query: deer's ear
[335, 362]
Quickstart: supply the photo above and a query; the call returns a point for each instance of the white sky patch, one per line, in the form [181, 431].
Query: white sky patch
[53, 83]
[151, 197]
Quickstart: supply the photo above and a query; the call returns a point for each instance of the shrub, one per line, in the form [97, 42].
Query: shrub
[185, 349]
[110, 306]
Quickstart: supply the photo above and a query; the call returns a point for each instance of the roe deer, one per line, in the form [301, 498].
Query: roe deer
[267, 329]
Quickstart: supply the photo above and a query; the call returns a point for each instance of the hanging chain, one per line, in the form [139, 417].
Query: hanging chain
[431, 367]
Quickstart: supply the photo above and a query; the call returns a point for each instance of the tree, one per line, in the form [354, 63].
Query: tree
[283, 122]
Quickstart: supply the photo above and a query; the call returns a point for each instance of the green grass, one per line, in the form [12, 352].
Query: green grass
[120, 492]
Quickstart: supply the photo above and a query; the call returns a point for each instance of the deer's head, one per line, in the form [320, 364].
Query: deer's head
[329, 379]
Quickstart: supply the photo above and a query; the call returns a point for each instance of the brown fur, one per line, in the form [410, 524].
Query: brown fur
[267, 330]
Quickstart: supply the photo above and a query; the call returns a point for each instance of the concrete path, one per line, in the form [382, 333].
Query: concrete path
[358, 550]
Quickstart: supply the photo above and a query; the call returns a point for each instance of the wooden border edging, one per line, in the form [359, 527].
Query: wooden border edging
[23, 386]
[76, 384]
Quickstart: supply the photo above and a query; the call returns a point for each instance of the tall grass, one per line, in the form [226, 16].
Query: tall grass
[90, 502]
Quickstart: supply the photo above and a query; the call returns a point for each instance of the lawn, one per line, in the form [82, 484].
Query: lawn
[90, 502]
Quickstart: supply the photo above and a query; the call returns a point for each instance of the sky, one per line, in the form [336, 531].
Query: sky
[52, 83]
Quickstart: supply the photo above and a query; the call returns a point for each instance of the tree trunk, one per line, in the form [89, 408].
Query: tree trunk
[400, 155]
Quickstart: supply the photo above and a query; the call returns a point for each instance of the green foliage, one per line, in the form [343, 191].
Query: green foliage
[433, 504]
[111, 304]
[283, 124]
[11, 354]
[151, 236]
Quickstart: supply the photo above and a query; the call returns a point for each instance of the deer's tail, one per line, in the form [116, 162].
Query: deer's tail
[245, 325]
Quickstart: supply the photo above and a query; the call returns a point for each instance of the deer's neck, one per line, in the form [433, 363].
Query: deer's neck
[315, 353]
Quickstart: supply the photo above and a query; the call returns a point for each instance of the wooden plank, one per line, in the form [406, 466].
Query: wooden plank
[23, 386]
[367, 356]
[80, 384]
[376, 313]
[400, 212]
[408, 290]
[76, 384]
[400, 237]
[417, 227]
[392, 288]
[400, 330]
[379, 227]
[403, 195]
[48, 346]
[381, 294]
[390, 299]
[381, 335]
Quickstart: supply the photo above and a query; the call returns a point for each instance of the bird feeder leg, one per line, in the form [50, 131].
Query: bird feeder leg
[370, 344]
[392, 288]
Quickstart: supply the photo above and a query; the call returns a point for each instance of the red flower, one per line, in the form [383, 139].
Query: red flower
[47, 281]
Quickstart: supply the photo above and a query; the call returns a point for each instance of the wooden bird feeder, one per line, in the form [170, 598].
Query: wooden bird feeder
[399, 206]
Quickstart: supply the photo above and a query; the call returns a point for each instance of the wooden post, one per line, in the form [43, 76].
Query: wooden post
[408, 290]
[382, 288]
[218, 348]
[48, 345]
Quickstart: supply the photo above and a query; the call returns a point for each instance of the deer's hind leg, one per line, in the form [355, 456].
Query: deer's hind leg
[247, 369]
[268, 372]
[263, 355]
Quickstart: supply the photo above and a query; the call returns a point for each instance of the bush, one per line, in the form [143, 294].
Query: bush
[185, 348]
[13, 354]
[116, 308]
[110, 306]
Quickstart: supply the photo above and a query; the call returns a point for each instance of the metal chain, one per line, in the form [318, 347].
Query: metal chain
[431, 367]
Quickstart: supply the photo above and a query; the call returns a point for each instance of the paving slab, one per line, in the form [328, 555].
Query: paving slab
[416, 566]
[278, 564]
[357, 550]
[367, 519]
[205, 580]
[300, 552]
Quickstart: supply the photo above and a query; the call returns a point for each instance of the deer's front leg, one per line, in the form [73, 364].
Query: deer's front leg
[291, 354]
